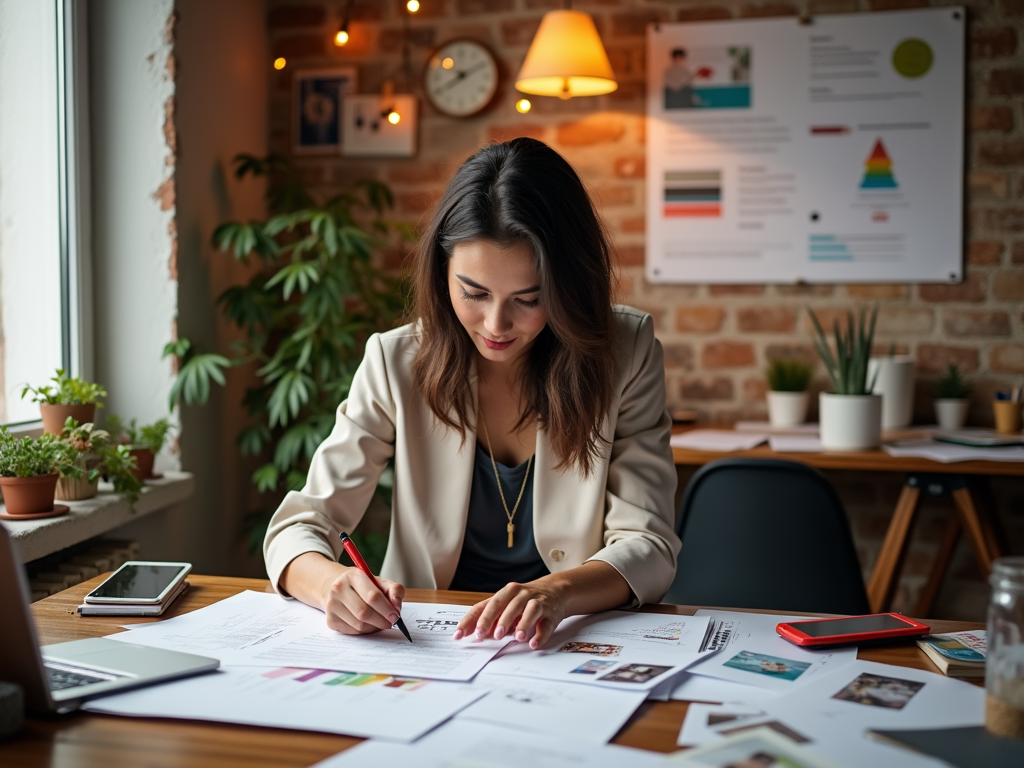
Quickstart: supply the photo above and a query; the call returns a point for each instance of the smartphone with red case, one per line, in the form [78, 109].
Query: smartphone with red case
[850, 630]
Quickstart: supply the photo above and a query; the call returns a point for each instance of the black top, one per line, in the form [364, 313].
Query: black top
[486, 563]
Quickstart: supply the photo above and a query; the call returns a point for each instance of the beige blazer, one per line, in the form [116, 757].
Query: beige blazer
[622, 514]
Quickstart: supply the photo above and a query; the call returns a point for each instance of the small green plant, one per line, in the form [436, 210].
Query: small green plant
[98, 456]
[847, 366]
[952, 385]
[788, 374]
[33, 457]
[151, 436]
[66, 390]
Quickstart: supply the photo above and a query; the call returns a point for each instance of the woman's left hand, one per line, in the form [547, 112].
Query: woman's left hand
[530, 611]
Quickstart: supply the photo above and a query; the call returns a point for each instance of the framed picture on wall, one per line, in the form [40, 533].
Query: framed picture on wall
[317, 98]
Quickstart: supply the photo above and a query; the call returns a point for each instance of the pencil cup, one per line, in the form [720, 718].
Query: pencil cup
[1008, 414]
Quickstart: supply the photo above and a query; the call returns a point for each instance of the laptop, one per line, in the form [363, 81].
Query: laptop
[57, 678]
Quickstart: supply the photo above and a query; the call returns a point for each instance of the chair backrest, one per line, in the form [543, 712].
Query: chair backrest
[769, 534]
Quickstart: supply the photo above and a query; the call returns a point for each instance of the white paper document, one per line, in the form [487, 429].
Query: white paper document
[752, 653]
[259, 629]
[703, 720]
[467, 744]
[755, 747]
[948, 453]
[835, 710]
[692, 687]
[795, 443]
[615, 649]
[567, 710]
[372, 706]
[766, 427]
[717, 440]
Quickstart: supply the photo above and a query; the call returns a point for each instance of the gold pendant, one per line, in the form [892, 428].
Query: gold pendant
[510, 528]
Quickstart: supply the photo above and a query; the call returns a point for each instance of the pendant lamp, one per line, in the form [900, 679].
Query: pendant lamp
[566, 58]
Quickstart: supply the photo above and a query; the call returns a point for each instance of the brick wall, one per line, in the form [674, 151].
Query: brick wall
[716, 337]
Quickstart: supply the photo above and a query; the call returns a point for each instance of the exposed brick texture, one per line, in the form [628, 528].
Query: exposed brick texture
[716, 338]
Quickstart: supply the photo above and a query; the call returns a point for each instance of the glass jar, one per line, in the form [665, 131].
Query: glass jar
[1004, 665]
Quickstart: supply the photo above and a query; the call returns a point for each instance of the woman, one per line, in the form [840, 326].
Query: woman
[525, 415]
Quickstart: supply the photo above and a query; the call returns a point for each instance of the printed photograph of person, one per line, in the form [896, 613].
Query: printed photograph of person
[679, 82]
[773, 666]
[879, 691]
[635, 673]
[594, 649]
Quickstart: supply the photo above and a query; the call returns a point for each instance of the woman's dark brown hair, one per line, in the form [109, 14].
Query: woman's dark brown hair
[524, 191]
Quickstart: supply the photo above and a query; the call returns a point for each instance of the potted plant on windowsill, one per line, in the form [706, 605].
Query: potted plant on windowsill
[143, 443]
[952, 393]
[67, 397]
[29, 469]
[97, 457]
[850, 415]
[788, 379]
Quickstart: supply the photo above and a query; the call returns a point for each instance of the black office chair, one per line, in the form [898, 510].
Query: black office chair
[768, 534]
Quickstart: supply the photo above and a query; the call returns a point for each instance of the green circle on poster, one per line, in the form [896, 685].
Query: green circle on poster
[912, 57]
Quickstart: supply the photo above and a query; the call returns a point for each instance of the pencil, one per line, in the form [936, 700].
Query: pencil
[353, 552]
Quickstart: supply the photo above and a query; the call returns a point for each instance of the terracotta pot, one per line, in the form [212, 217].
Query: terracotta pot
[54, 416]
[29, 495]
[76, 489]
[144, 459]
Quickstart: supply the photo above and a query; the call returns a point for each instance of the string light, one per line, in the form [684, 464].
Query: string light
[393, 117]
[448, 63]
[279, 62]
[523, 106]
[341, 37]
[413, 6]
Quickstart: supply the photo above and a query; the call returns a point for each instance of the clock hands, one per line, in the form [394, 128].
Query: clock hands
[460, 76]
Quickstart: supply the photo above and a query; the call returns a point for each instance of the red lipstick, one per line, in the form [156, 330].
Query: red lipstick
[497, 345]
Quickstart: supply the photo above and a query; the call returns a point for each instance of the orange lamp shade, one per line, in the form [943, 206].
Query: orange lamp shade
[566, 58]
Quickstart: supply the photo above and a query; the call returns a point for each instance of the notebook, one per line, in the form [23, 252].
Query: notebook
[59, 677]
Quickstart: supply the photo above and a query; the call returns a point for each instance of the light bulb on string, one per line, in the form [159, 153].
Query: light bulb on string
[412, 6]
[523, 106]
[279, 62]
[341, 37]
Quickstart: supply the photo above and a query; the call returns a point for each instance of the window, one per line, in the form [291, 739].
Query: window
[40, 173]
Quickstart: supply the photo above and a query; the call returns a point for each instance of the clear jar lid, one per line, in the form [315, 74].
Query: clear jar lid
[1008, 574]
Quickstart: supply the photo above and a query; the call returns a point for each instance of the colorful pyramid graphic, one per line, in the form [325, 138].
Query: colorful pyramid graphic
[878, 170]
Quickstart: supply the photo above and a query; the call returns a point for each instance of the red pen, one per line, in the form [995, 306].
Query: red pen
[353, 552]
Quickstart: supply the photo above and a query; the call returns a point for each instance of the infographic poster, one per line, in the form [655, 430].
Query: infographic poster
[820, 152]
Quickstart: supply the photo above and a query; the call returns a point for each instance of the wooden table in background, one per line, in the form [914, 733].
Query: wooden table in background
[84, 740]
[933, 477]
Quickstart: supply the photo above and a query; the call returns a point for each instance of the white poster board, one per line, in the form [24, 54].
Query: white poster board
[826, 152]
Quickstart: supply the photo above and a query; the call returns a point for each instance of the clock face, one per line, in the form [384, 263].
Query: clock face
[461, 78]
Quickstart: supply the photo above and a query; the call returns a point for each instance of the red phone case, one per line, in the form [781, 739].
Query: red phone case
[913, 629]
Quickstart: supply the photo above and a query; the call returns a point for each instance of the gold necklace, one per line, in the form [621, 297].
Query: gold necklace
[497, 478]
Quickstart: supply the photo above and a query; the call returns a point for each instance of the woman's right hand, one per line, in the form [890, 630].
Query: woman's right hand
[354, 606]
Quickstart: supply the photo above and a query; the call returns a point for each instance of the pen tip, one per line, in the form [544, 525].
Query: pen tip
[403, 629]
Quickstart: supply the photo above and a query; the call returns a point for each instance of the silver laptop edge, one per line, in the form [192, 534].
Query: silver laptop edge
[122, 665]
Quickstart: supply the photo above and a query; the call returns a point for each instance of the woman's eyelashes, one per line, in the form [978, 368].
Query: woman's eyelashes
[481, 296]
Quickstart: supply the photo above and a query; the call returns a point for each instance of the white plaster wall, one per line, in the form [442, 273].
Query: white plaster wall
[135, 296]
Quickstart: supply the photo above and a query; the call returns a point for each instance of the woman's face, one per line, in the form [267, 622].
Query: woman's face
[495, 290]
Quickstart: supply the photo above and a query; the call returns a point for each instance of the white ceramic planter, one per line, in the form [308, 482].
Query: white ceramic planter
[787, 409]
[850, 422]
[951, 413]
[895, 383]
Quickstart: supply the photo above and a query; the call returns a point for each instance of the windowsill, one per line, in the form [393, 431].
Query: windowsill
[92, 517]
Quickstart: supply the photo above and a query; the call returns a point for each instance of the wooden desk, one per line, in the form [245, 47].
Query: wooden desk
[922, 474]
[86, 740]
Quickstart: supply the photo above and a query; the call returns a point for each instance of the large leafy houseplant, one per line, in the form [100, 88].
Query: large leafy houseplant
[305, 317]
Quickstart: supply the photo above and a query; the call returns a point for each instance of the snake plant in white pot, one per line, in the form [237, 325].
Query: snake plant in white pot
[851, 416]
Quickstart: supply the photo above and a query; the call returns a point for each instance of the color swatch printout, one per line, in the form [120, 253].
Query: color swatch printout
[830, 152]
[354, 704]
[258, 629]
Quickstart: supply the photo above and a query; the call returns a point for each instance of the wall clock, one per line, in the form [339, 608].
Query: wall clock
[461, 78]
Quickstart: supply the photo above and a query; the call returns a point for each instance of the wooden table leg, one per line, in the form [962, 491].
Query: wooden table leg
[972, 523]
[883, 577]
[947, 547]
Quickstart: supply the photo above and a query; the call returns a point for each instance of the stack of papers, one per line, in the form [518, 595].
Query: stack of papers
[950, 452]
[717, 440]
[463, 700]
